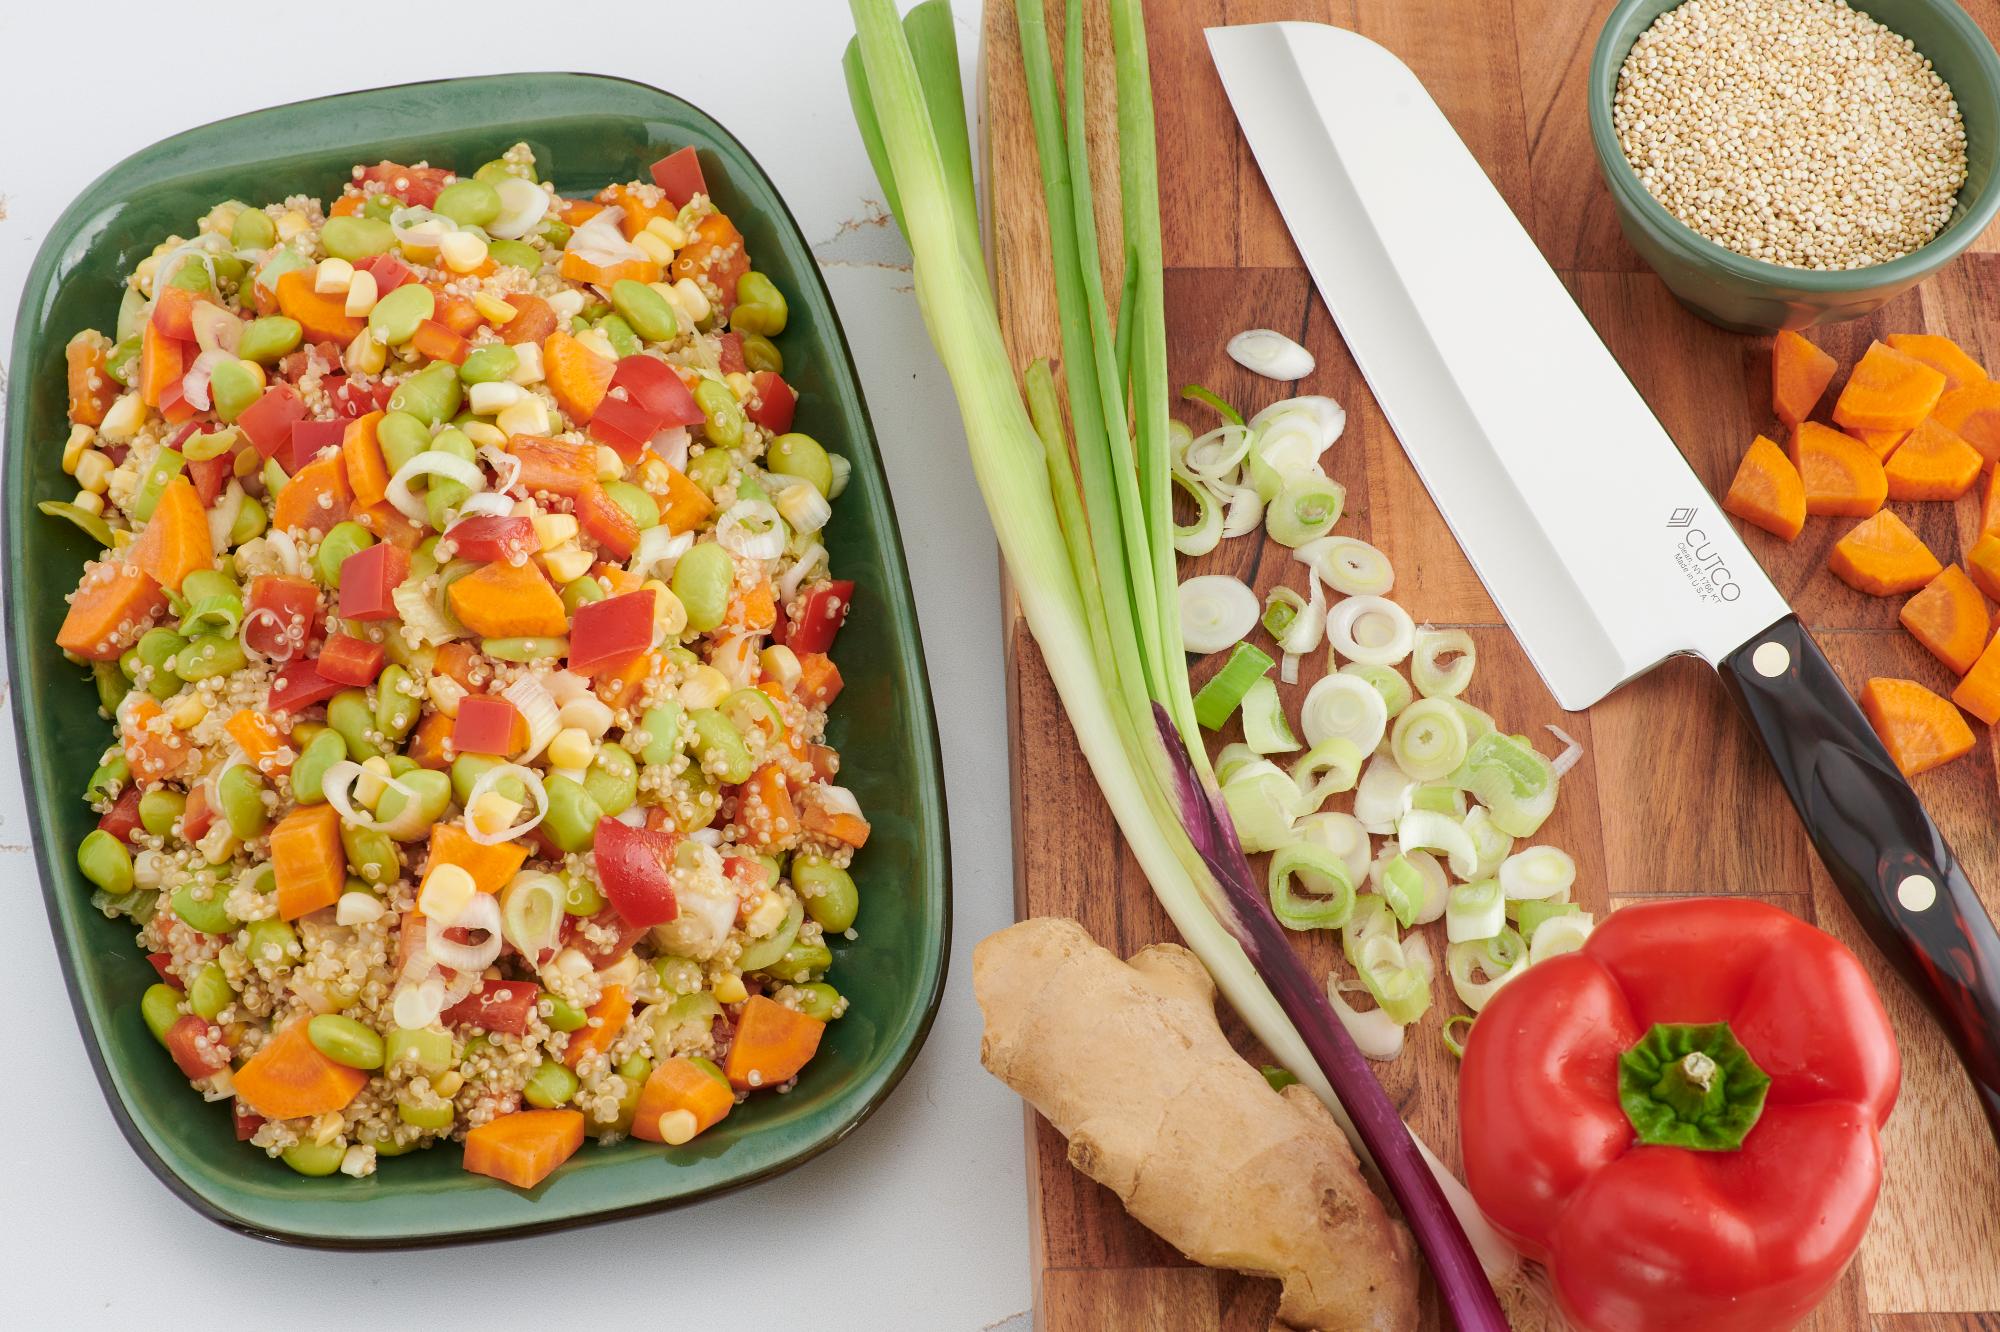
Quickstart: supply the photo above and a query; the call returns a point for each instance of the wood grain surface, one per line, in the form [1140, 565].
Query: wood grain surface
[1672, 797]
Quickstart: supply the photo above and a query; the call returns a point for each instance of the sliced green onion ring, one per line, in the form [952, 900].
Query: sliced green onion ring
[1439, 798]
[1301, 623]
[1205, 533]
[1305, 510]
[1389, 683]
[1492, 845]
[1538, 873]
[89, 523]
[1530, 915]
[1427, 830]
[1377, 1035]
[1344, 707]
[1327, 912]
[1231, 760]
[1264, 726]
[1429, 740]
[1243, 509]
[1558, 935]
[1516, 784]
[1328, 769]
[1216, 455]
[1452, 1042]
[1474, 911]
[218, 614]
[1216, 612]
[1401, 884]
[1371, 629]
[1341, 834]
[1496, 960]
[1429, 669]
[1381, 794]
[1263, 800]
[1219, 698]
[1350, 566]
[1371, 919]
[1196, 393]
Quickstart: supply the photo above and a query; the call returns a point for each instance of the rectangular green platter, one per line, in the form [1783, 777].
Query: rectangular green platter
[586, 132]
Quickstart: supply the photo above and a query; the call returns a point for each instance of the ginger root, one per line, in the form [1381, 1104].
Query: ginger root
[1128, 1062]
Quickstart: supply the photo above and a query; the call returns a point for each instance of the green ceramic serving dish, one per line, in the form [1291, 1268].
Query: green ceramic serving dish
[586, 132]
[1749, 295]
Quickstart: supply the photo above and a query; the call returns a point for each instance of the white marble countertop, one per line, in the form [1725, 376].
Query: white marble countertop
[918, 1221]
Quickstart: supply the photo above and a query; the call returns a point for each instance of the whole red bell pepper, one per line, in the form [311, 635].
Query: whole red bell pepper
[1682, 1119]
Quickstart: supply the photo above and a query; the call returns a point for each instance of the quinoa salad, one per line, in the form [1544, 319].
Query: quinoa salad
[463, 618]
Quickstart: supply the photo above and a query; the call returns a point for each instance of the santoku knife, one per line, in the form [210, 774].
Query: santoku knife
[1589, 530]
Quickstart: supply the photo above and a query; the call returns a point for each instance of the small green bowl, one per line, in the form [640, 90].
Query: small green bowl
[1751, 296]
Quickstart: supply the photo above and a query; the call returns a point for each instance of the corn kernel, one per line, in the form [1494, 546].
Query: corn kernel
[588, 712]
[689, 300]
[552, 529]
[704, 687]
[332, 275]
[677, 1126]
[483, 433]
[668, 230]
[670, 614]
[365, 355]
[572, 748]
[93, 471]
[362, 293]
[567, 304]
[187, 713]
[446, 694]
[654, 248]
[462, 251]
[448, 1083]
[123, 420]
[609, 465]
[373, 781]
[488, 399]
[739, 384]
[218, 844]
[527, 364]
[81, 437]
[573, 964]
[89, 501]
[291, 222]
[781, 664]
[121, 537]
[493, 813]
[530, 416]
[729, 989]
[222, 217]
[567, 563]
[769, 914]
[492, 309]
[357, 909]
[446, 892]
[597, 342]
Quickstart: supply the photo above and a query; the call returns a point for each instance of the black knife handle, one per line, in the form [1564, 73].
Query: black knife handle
[1889, 860]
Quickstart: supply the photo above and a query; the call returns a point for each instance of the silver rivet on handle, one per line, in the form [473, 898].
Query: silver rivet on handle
[1771, 659]
[1916, 892]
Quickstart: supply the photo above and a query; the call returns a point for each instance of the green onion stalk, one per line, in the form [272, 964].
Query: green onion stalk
[1085, 525]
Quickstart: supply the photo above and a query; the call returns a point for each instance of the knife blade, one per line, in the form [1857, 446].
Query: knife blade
[1592, 534]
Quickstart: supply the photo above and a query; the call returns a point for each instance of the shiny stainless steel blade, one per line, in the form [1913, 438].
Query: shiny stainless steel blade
[1588, 528]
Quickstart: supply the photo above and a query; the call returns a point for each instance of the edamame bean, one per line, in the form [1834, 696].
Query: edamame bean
[395, 317]
[270, 943]
[624, 342]
[428, 1048]
[581, 592]
[819, 1000]
[380, 206]
[209, 992]
[160, 1006]
[800, 456]
[718, 747]
[253, 230]
[410, 817]
[524, 649]
[157, 649]
[118, 363]
[801, 962]
[488, 365]
[500, 170]
[239, 793]
[110, 776]
[467, 769]
[345, 1041]
[234, 385]
[315, 1160]
[348, 713]
[721, 414]
[395, 704]
[553, 230]
[442, 495]
[106, 863]
[207, 915]
[354, 237]
[760, 306]
[582, 898]
[189, 275]
[828, 891]
[470, 203]
[703, 801]
[209, 655]
[402, 438]
[426, 1116]
[112, 685]
[251, 520]
[549, 1086]
[628, 1109]
[342, 540]
[703, 579]
[571, 822]
[371, 855]
[711, 470]
[277, 263]
[613, 779]
[266, 338]
[648, 312]
[643, 508]
[662, 726]
[560, 1013]
[309, 772]
[515, 254]
[760, 353]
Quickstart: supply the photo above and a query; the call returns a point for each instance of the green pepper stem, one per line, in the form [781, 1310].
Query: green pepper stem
[1691, 1085]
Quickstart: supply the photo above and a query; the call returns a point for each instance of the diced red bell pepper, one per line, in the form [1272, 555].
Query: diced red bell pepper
[351, 399]
[604, 522]
[122, 819]
[197, 1056]
[729, 354]
[819, 618]
[369, 579]
[635, 866]
[389, 272]
[678, 175]
[417, 186]
[497, 1005]
[298, 685]
[486, 725]
[775, 402]
[653, 384]
[174, 406]
[488, 537]
[267, 422]
[162, 963]
[607, 634]
[746, 872]
[200, 814]
[246, 1123]
[293, 604]
[439, 343]
[173, 313]
[309, 437]
[623, 424]
[351, 661]
[210, 477]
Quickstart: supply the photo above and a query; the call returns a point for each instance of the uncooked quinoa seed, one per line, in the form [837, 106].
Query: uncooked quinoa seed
[1799, 132]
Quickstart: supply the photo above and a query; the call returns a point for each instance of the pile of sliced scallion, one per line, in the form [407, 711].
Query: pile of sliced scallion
[1086, 525]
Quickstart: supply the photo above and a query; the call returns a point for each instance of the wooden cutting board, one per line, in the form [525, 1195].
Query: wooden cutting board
[1672, 796]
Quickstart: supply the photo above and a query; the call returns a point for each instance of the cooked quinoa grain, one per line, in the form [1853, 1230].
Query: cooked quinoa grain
[1798, 132]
